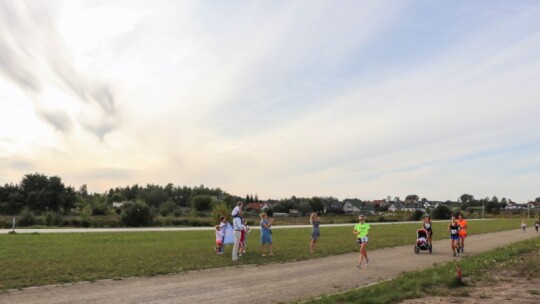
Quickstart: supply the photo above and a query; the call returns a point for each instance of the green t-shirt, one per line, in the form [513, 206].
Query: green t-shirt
[363, 229]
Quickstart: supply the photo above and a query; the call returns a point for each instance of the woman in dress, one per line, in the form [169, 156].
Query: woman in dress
[266, 236]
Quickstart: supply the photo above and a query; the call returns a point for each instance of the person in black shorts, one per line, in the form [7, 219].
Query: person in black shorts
[453, 228]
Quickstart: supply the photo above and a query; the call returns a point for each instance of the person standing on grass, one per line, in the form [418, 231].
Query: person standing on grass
[245, 231]
[315, 233]
[222, 227]
[266, 235]
[462, 232]
[362, 235]
[427, 225]
[219, 240]
[453, 228]
[238, 227]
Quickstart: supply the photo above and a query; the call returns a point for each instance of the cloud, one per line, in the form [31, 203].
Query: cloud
[60, 120]
[34, 56]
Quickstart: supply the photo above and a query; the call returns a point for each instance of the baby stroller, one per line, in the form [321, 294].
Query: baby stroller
[422, 241]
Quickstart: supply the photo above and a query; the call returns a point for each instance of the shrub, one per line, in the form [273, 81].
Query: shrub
[26, 218]
[220, 210]
[136, 214]
[167, 208]
[441, 213]
[53, 219]
[99, 209]
[416, 215]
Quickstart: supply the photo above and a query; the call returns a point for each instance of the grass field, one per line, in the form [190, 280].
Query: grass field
[442, 280]
[41, 259]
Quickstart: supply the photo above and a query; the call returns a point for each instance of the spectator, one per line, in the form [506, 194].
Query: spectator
[238, 227]
[266, 234]
[315, 233]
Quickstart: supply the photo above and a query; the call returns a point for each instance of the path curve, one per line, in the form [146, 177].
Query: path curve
[270, 283]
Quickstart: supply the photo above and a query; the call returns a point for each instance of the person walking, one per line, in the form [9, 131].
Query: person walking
[536, 225]
[361, 230]
[523, 225]
[266, 235]
[238, 227]
[453, 228]
[315, 233]
[462, 232]
[428, 226]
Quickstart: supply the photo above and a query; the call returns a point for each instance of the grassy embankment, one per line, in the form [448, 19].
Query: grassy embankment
[442, 280]
[41, 259]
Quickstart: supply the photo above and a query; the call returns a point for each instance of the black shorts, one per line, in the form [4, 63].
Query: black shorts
[359, 241]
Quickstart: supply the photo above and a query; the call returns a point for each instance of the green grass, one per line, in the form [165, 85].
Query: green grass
[41, 259]
[441, 280]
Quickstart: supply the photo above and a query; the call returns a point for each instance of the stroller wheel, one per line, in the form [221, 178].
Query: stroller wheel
[416, 250]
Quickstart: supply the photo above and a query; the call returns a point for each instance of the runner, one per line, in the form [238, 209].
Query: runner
[362, 234]
[427, 225]
[462, 232]
[315, 233]
[523, 225]
[453, 228]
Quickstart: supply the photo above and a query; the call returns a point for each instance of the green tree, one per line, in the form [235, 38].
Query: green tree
[317, 204]
[202, 203]
[466, 198]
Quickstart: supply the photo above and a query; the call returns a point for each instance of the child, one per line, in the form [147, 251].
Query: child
[219, 240]
[243, 238]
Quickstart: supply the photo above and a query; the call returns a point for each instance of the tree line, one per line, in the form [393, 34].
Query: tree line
[40, 194]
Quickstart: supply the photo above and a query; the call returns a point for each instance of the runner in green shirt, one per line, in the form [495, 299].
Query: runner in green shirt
[362, 233]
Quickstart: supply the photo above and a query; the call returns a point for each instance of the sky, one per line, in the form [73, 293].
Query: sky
[350, 99]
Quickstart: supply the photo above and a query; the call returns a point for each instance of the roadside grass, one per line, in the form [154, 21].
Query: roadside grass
[43, 259]
[442, 280]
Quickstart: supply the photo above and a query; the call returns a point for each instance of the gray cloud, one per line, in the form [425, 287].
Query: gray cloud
[60, 120]
[31, 49]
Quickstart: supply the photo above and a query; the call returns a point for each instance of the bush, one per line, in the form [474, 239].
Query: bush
[416, 215]
[99, 209]
[441, 213]
[26, 218]
[136, 214]
[53, 219]
[220, 210]
[167, 208]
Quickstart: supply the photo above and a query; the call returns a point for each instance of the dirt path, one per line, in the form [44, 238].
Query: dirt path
[280, 282]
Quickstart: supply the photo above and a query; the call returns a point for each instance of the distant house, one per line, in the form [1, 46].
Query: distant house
[392, 208]
[118, 204]
[333, 206]
[351, 207]
[380, 203]
[257, 207]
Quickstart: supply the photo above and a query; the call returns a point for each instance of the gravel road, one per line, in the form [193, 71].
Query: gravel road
[276, 282]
